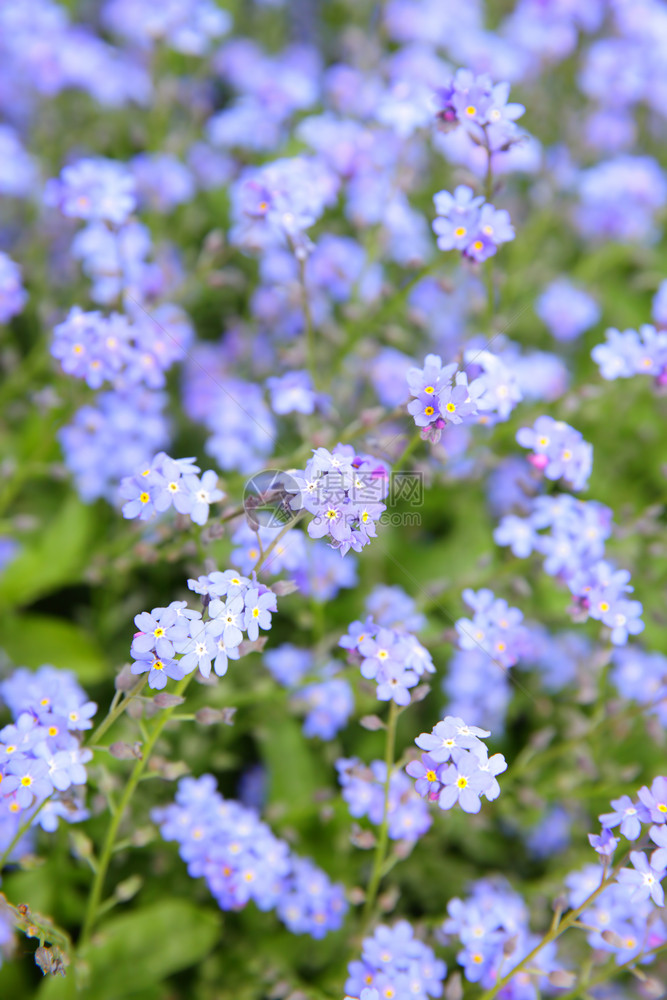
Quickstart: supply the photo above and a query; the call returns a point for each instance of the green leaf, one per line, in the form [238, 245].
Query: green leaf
[131, 953]
[57, 556]
[30, 640]
[293, 772]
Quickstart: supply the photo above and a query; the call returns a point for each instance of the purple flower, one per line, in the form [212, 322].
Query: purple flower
[227, 619]
[203, 492]
[559, 451]
[13, 296]
[425, 771]
[629, 815]
[463, 782]
[159, 669]
[94, 189]
[567, 310]
[394, 682]
[644, 881]
[258, 609]
[605, 843]
[329, 704]
[448, 735]
[655, 799]
[29, 779]
[292, 393]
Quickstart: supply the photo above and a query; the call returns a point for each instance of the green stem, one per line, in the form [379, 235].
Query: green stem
[383, 836]
[412, 444]
[115, 712]
[611, 971]
[269, 549]
[551, 935]
[95, 898]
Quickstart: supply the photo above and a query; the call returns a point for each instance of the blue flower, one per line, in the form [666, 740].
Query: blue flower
[644, 881]
[159, 669]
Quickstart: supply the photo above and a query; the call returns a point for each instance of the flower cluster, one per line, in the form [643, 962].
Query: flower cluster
[573, 550]
[175, 641]
[167, 482]
[558, 451]
[274, 205]
[328, 701]
[642, 677]
[41, 756]
[495, 627]
[94, 189]
[394, 963]
[121, 351]
[441, 396]
[344, 493]
[492, 927]
[391, 657]
[328, 704]
[106, 441]
[622, 920]
[466, 222]
[642, 352]
[620, 198]
[241, 860]
[363, 790]
[481, 108]
[456, 766]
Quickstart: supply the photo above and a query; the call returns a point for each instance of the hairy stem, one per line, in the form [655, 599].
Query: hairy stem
[383, 836]
[95, 897]
[551, 935]
[115, 711]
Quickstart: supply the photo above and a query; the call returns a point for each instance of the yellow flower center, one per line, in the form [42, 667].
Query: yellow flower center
[461, 782]
[144, 497]
[460, 231]
[429, 411]
[450, 408]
